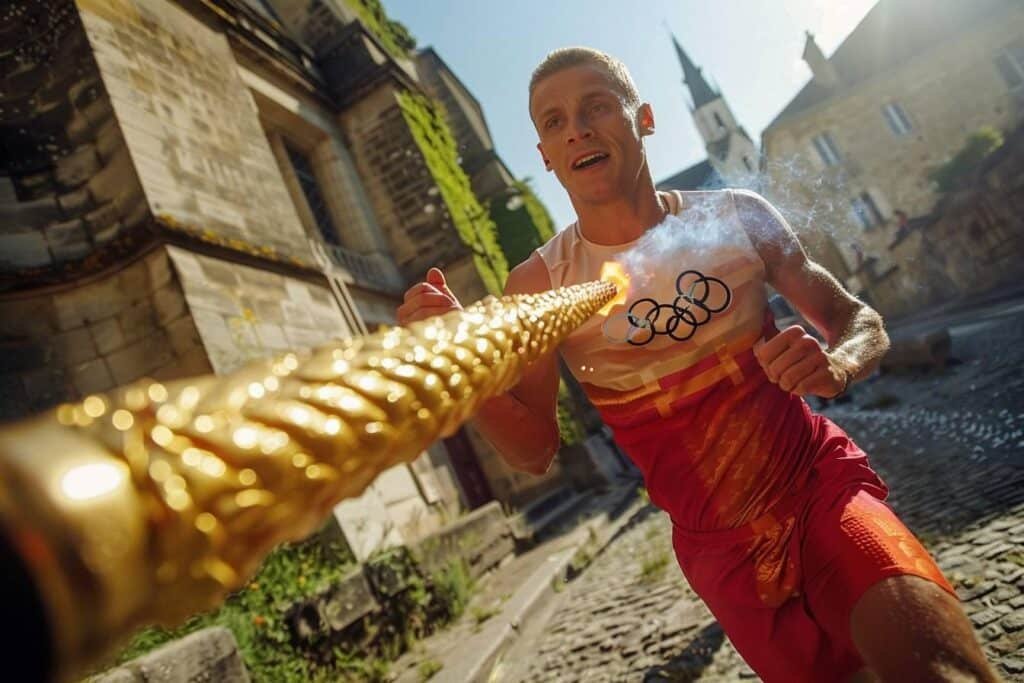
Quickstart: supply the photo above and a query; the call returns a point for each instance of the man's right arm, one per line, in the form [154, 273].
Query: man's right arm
[522, 424]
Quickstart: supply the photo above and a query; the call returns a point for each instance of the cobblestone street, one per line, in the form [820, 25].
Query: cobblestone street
[950, 445]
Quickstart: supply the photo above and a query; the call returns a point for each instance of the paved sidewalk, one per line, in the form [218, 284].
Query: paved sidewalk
[506, 599]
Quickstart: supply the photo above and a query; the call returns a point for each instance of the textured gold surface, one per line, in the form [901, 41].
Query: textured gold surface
[150, 503]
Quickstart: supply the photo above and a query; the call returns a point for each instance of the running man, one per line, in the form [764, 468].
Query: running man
[778, 520]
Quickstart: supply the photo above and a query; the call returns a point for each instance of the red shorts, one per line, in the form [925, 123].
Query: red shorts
[783, 587]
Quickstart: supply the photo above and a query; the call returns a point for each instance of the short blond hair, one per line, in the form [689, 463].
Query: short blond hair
[568, 57]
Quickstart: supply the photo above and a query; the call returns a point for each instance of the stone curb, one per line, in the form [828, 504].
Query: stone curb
[474, 659]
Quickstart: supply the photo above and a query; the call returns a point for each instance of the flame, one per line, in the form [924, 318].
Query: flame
[614, 272]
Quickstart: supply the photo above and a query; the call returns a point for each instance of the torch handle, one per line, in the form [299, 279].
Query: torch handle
[152, 502]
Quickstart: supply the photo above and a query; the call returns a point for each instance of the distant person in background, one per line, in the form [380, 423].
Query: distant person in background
[778, 521]
[902, 225]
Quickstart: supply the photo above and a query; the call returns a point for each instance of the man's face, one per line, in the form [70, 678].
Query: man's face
[589, 136]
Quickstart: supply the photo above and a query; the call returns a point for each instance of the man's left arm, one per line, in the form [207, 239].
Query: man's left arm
[854, 331]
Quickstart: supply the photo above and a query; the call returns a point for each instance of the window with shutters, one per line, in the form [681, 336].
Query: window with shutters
[866, 211]
[826, 148]
[899, 122]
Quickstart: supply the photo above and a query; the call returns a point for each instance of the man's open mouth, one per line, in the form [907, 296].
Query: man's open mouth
[589, 160]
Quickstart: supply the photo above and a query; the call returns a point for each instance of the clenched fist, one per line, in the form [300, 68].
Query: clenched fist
[427, 299]
[796, 362]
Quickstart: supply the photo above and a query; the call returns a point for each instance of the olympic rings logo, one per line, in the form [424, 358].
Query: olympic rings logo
[698, 298]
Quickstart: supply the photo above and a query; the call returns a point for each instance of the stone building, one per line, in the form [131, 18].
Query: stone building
[851, 154]
[186, 186]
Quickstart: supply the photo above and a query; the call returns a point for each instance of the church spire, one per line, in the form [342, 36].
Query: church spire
[700, 91]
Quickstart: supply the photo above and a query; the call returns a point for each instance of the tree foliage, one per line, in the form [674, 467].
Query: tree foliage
[979, 145]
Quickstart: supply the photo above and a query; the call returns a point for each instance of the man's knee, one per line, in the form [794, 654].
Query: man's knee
[909, 629]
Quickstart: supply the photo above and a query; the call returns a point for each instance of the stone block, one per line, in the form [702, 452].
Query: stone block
[191, 364]
[183, 335]
[134, 279]
[74, 347]
[482, 538]
[29, 213]
[138, 320]
[92, 377]
[159, 267]
[139, 358]
[24, 249]
[103, 216]
[220, 272]
[76, 168]
[169, 304]
[109, 139]
[31, 317]
[208, 655]
[74, 204]
[108, 233]
[333, 609]
[68, 240]
[107, 335]
[99, 111]
[66, 314]
[111, 181]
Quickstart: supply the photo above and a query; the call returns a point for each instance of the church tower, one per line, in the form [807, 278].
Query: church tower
[731, 152]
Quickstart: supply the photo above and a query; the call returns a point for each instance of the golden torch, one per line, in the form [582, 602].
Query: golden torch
[152, 502]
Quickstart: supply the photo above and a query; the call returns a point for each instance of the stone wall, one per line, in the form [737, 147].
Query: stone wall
[947, 92]
[972, 243]
[69, 196]
[66, 343]
[208, 655]
[191, 124]
[400, 187]
[244, 313]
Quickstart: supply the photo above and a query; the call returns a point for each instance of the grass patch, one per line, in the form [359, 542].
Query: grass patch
[453, 587]
[255, 615]
[427, 669]
[653, 566]
[481, 614]
[642, 494]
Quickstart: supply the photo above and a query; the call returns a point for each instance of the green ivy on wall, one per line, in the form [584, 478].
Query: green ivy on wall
[523, 228]
[476, 229]
[393, 35]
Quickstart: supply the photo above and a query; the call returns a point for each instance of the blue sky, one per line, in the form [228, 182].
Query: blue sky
[750, 48]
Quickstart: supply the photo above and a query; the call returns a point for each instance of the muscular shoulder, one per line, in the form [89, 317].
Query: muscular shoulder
[751, 206]
[769, 232]
[529, 276]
